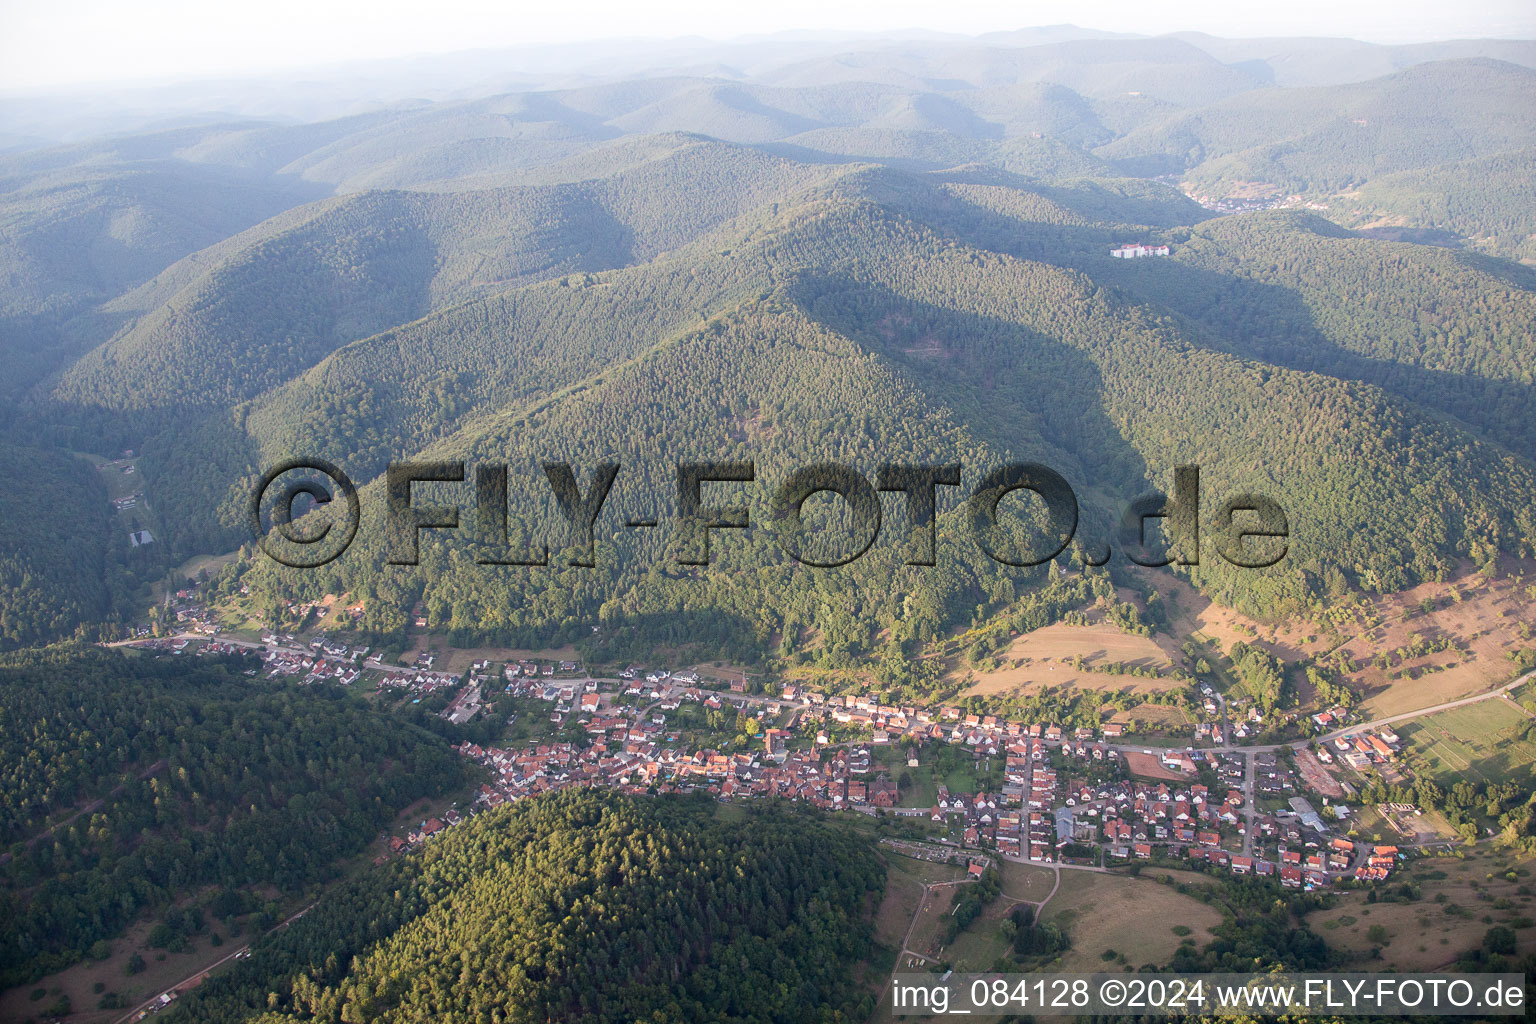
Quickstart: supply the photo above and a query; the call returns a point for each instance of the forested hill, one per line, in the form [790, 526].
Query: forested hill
[1327, 139]
[208, 335]
[190, 774]
[62, 562]
[844, 328]
[580, 906]
[897, 252]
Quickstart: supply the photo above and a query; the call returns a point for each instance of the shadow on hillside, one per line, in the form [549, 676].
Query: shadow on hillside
[1273, 324]
[1267, 323]
[1023, 393]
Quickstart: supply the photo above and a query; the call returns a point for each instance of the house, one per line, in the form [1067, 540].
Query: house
[1179, 761]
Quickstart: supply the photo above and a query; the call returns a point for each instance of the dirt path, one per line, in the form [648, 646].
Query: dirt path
[1040, 907]
[90, 808]
[922, 905]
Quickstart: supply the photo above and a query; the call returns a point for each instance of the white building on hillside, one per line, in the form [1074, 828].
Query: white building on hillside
[1133, 250]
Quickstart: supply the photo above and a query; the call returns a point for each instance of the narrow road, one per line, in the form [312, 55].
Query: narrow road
[1405, 716]
[1250, 805]
[193, 979]
[1056, 870]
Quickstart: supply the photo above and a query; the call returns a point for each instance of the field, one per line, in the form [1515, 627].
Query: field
[1480, 743]
[1191, 613]
[1525, 696]
[1155, 716]
[1047, 657]
[980, 945]
[905, 879]
[1401, 826]
[927, 939]
[1179, 877]
[1475, 616]
[1425, 935]
[1026, 882]
[209, 563]
[163, 969]
[1148, 766]
[1134, 917]
[903, 890]
[78, 982]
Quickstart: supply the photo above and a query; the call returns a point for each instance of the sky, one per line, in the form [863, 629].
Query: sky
[52, 44]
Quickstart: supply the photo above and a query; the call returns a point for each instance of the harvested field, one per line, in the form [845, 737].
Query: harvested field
[1474, 618]
[1050, 657]
[1148, 766]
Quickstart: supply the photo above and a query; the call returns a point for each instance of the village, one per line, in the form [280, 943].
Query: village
[976, 783]
[1043, 793]
[1053, 796]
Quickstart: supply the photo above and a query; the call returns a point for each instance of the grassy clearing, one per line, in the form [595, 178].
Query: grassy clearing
[903, 890]
[928, 935]
[79, 981]
[924, 791]
[925, 871]
[961, 779]
[1134, 917]
[980, 946]
[1027, 882]
[1459, 903]
[1074, 656]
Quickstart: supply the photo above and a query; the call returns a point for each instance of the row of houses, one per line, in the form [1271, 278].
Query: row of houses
[531, 669]
[1362, 749]
[313, 668]
[628, 754]
[947, 724]
[419, 681]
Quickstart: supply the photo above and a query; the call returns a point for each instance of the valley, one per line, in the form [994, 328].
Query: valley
[466, 759]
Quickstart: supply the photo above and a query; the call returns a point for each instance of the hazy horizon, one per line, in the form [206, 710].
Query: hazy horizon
[85, 45]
